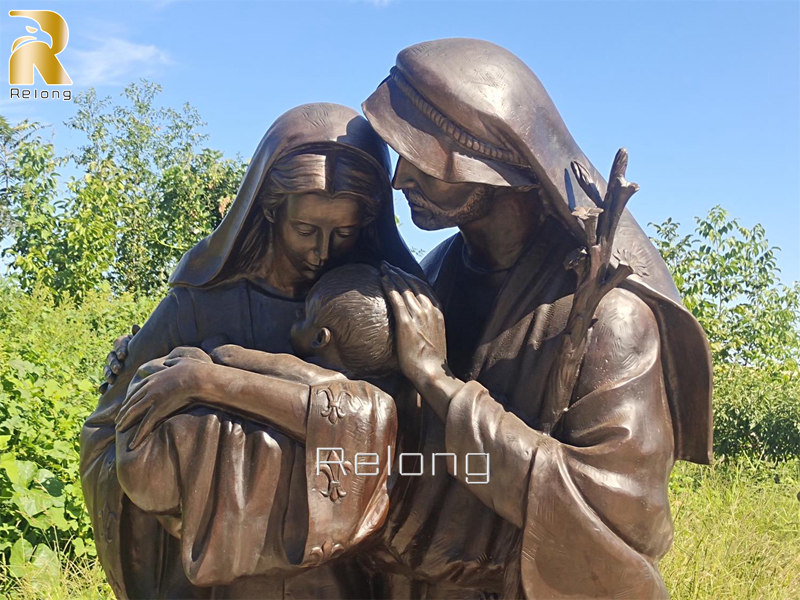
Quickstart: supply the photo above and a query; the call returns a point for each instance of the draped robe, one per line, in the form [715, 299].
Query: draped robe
[214, 505]
[581, 514]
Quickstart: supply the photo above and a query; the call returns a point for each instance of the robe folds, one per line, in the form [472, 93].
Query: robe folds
[215, 505]
[583, 513]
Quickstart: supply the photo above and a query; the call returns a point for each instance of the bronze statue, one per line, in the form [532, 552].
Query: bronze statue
[582, 512]
[218, 502]
[557, 351]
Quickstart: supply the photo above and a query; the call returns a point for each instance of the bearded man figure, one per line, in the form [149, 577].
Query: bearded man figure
[582, 512]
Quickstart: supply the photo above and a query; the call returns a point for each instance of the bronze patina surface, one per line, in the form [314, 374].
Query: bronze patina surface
[551, 350]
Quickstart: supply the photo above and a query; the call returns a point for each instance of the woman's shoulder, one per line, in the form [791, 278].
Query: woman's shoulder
[216, 299]
[224, 288]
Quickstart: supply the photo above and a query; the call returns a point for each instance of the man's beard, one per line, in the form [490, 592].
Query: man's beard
[428, 216]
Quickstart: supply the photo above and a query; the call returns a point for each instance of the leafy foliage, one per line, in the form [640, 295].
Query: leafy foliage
[728, 277]
[145, 195]
[29, 201]
[48, 385]
[756, 414]
[18, 181]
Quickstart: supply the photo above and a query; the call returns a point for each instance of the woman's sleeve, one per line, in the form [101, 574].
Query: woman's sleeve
[157, 337]
[351, 433]
[591, 503]
[212, 479]
[205, 462]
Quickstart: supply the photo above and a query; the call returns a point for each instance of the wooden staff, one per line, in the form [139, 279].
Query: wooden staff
[596, 277]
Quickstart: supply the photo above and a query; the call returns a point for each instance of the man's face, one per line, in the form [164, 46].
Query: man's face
[436, 204]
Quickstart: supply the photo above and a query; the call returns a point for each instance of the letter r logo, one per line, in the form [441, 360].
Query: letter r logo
[28, 51]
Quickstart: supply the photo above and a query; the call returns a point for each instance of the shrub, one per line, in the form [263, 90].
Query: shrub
[50, 359]
[728, 277]
[756, 413]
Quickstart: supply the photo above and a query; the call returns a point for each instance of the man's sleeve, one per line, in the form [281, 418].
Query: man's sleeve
[592, 504]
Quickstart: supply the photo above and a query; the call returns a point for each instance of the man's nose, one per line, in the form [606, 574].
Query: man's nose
[404, 175]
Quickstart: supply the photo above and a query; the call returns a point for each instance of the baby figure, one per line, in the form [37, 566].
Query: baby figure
[348, 326]
[347, 333]
[339, 400]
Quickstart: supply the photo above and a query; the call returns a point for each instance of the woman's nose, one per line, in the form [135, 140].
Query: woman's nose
[323, 248]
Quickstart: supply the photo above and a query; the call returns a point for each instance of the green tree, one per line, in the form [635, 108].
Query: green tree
[729, 279]
[30, 201]
[13, 139]
[145, 193]
[163, 193]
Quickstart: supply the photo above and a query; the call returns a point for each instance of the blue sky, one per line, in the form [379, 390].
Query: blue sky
[705, 95]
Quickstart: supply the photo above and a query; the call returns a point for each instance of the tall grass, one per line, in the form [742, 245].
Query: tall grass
[737, 536]
[78, 579]
[737, 531]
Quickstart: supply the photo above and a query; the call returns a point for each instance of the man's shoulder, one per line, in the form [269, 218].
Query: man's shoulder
[436, 257]
[625, 316]
[624, 339]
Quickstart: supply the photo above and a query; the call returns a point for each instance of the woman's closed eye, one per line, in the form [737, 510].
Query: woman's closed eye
[346, 232]
[303, 229]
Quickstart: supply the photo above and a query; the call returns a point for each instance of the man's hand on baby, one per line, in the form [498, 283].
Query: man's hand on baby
[419, 326]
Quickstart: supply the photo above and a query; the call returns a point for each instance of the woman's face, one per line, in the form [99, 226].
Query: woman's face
[311, 231]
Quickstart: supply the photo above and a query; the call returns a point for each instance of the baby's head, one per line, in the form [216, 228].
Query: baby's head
[348, 323]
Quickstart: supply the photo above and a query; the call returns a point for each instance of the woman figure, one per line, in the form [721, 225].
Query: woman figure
[211, 517]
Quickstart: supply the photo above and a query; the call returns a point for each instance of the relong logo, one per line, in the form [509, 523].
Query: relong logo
[29, 52]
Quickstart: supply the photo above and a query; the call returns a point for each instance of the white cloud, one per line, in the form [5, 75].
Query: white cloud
[115, 61]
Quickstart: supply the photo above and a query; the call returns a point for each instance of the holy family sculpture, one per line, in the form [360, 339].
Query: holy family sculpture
[310, 413]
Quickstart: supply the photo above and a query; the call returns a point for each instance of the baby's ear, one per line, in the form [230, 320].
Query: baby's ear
[322, 338]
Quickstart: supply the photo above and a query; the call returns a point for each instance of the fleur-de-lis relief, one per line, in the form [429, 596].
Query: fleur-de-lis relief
[335, 474]
[327, 551]
[109, 519]
[335, 408]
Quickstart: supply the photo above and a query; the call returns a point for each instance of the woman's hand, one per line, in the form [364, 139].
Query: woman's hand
[420, 338]
[167, 386]
[115, 361]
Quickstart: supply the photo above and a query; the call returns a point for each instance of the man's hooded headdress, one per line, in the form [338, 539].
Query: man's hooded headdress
[464, 110]
[315, 128]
